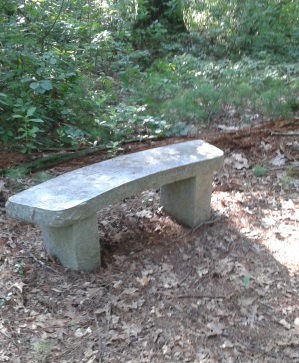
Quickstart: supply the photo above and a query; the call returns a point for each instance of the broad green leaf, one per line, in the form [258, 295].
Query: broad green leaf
[42, 86]
[31, 111]
[34, 85]
[20, 137]
[46, 84]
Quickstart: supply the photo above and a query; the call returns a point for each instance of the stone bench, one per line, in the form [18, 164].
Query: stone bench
[66, 206]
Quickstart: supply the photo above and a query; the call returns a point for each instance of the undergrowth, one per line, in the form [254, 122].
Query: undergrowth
[75, 73]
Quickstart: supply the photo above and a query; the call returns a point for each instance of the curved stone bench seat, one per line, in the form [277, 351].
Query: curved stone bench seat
[65, 207]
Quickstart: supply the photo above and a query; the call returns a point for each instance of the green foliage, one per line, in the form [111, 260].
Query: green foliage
[20, 267]
[238, 26]
[49, 51]
[246, 281]
[187, 89]
[79, 72]
[42, 348]
[289, 179]
[4, 300]
[260, 170]
[286, 182]
[14, 174]
[28, 130]
[124, 121]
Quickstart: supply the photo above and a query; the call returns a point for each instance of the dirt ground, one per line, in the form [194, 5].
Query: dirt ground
[226, 291]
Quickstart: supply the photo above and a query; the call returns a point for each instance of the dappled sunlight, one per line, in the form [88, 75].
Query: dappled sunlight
[271, 224]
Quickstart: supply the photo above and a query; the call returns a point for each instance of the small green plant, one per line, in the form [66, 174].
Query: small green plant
[28, 128]
[21, 267]
[14, 174]
[286, 182]
[260, 170]
[246, 281]
[291, 172]
[73, 325]
[42, 347]
[114, 149]
[147, 201]
[5, 300]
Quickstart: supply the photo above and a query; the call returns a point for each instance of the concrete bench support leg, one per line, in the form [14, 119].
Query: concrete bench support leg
[188, 200]
[77, 245]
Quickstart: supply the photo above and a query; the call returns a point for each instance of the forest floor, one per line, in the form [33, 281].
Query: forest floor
[226, 291]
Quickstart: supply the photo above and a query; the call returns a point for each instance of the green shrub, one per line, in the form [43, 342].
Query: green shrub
[260, 170]
[78, 72]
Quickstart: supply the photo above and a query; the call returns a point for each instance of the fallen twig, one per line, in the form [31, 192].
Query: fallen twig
[284, 133]
[211, 221]
[194, 296]
[42, 263]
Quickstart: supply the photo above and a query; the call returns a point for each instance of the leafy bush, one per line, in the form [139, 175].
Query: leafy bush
[236, 27]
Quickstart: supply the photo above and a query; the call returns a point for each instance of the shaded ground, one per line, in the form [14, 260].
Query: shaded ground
[226, 291]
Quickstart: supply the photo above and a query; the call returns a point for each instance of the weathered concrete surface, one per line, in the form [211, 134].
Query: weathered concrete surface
[76, 245]
[189, 200]
[82, 192]
[184, 170]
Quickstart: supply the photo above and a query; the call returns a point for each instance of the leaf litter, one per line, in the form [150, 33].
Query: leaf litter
[226, 291]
